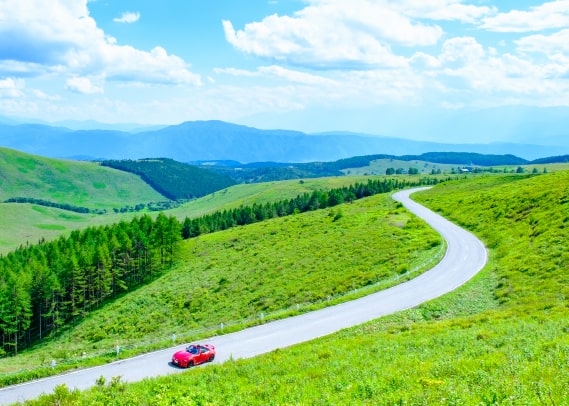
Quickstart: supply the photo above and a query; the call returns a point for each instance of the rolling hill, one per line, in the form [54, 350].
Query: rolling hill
[500, 339]
[84, 184]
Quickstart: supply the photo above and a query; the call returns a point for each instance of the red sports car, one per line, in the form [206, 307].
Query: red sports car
[194, 354]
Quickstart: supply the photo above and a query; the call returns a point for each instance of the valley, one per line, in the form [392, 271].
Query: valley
[494, 307]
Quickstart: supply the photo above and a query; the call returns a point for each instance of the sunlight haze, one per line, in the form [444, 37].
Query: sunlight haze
[440, 70]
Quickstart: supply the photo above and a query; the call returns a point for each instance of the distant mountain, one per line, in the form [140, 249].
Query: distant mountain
[95, 125]
[511, 124]
[218, 140]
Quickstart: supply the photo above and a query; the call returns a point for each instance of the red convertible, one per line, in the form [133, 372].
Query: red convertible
[194, 354]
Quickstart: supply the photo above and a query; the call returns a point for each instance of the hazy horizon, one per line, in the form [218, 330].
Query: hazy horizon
[445, 70]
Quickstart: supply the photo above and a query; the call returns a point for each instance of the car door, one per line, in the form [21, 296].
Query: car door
[202, 355]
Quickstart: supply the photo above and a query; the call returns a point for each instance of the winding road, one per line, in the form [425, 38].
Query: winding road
[465, 256]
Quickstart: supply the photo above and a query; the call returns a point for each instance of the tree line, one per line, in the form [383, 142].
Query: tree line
[49, 285]
[318, 199]
[47, 203]
[45, 286]
[172, 179]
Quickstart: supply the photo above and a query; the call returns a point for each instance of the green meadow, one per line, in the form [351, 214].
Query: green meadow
[27, 224]
[82, 184]
[501, 339]
[276, 268]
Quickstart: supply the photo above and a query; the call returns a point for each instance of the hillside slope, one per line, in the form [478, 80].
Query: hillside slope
[234, 275]
[76, 183]
[175, 180]
[501, 339]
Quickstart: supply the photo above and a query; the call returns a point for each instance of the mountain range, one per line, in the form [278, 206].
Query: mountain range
[219, 140]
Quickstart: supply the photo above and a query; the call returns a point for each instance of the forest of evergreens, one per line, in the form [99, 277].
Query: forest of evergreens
[47, 286]
[174, 180]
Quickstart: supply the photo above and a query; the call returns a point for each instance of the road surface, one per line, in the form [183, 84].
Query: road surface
[465, 256]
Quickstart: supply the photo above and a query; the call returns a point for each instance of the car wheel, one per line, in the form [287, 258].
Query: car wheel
[190, 364]
[211, 357]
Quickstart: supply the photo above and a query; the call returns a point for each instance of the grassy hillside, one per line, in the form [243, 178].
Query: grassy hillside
[27, 223]
[90, 185]
[261, 193]
[502, 339]
[24, 224]
[231, 277]
[83, 184]
[379, 167]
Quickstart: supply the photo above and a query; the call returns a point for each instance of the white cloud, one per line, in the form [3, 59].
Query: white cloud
[11, 88]
[39, 94]
[444, 10]
[334, 34]
[236, 72]
[550, 15]
[295, 76]
[422, 60]
[127, 17]
[279, 73]
[461, 51]
[471, 75]
[82, 85]
[358, 34]
[38, 37]
[547, 44]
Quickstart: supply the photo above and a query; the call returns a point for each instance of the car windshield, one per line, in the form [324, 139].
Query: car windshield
[192, 349]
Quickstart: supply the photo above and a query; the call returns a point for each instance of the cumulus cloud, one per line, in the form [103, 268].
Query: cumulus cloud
[443, 10]
[38, 37]
[549, 44]
[127, 17]
[461, 50]
[550, 15]
[82, 85]
[334, 34]
[11, 88]
[359, 34]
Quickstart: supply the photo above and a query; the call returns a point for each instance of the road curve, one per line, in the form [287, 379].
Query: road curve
[465, 256]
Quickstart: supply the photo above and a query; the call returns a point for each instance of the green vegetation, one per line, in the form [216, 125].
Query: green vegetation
[231, 276]
[501, 339]
[26, 224]
[45, 286]
[20, 221]
[306, 202]
[392, 166]
[368, 164]
[79, 184]
[175, 180]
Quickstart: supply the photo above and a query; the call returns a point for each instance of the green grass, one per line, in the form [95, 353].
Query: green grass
[24, 224]
[260, 193]
[20, 221]
[83, 184]
[379, 166]
[232, 277]
[501, 339]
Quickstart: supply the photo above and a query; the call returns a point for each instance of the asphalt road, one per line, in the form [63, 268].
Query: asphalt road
[465, 256]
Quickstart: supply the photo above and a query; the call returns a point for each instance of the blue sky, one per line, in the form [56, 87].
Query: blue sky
[310, 65]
